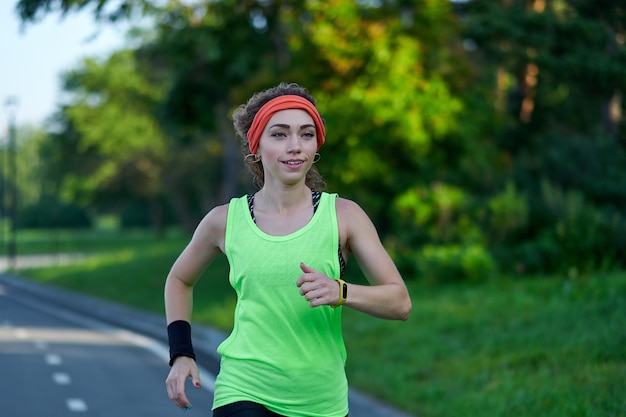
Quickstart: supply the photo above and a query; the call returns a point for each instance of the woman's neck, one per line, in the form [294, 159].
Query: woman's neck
[282, 200]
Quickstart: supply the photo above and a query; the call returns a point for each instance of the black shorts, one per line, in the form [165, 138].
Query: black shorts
[244, 409]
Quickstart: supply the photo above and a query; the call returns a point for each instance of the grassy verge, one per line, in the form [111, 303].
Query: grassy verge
[524, 347]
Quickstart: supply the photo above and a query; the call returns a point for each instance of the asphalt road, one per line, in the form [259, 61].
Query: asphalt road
[63, 353]
[55, 362]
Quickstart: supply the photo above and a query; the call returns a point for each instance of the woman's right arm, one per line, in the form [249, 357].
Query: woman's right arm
[205, 245]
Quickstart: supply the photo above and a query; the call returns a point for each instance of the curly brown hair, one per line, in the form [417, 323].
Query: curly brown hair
[242, 120]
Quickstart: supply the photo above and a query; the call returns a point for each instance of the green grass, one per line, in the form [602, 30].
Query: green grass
[541, 346]
[531, 347]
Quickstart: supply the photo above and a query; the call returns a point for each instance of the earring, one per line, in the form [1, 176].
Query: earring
[255, 158]
[317, 157]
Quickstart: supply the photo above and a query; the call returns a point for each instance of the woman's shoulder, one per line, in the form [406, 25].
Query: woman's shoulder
[218, 215]
[220, 211]
[346, 205]
[215, 219]
[349, 211]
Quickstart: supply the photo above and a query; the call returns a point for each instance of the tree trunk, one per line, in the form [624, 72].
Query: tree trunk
[231, 158]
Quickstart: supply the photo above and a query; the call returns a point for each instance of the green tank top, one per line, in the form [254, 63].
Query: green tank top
[282, 353]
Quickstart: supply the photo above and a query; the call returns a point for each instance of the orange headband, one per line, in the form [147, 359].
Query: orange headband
[277, 104]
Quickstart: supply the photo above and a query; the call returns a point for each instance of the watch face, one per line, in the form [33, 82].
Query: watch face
[345, 290]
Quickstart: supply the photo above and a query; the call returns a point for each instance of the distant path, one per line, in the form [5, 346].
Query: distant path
[41, 260]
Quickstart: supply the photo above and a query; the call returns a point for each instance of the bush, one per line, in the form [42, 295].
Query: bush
[455, 263]
[135, 214]
[50, 213]
[144, 214]
[508, 214]
[576, 235]
[437, 237]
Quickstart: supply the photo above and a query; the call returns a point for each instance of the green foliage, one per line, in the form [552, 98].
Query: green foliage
[508, 214]
[453, 263]
[546, 56]
[575, 236]
[50, 213]
[379, 135]
[443, 118]
[591, 164]
[31, 181]
[437, 237]
[33, 10]
[138, 213]
[436, 211]
[111, 113]
[585, 236]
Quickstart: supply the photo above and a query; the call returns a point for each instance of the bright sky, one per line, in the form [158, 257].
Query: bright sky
[32, 60]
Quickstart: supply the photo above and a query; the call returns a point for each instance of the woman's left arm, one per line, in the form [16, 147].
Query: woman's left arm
[387, 296]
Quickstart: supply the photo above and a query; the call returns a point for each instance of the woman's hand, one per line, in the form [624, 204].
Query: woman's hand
[317, 288]
[182, 368]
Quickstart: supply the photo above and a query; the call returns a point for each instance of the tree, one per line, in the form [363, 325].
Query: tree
[111, 147]
[558, 71]
[453, 123]
[33, 10]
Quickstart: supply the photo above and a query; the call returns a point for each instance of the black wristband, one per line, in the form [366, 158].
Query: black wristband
[179, 336]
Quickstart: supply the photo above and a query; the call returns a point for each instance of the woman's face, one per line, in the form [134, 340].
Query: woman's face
[288, 145]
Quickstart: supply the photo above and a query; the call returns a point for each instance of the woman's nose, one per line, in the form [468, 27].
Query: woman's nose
[293, 143]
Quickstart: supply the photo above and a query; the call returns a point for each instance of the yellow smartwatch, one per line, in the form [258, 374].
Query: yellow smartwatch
[343, 292]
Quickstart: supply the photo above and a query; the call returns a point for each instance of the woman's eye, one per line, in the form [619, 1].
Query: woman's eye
[308, 134]
[278, 135]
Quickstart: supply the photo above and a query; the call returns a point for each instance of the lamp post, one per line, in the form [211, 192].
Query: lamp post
[11, 106]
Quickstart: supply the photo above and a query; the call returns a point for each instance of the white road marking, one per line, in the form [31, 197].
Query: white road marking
[61, 378]
[53, 359]
[76, 405]
[21, 333]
